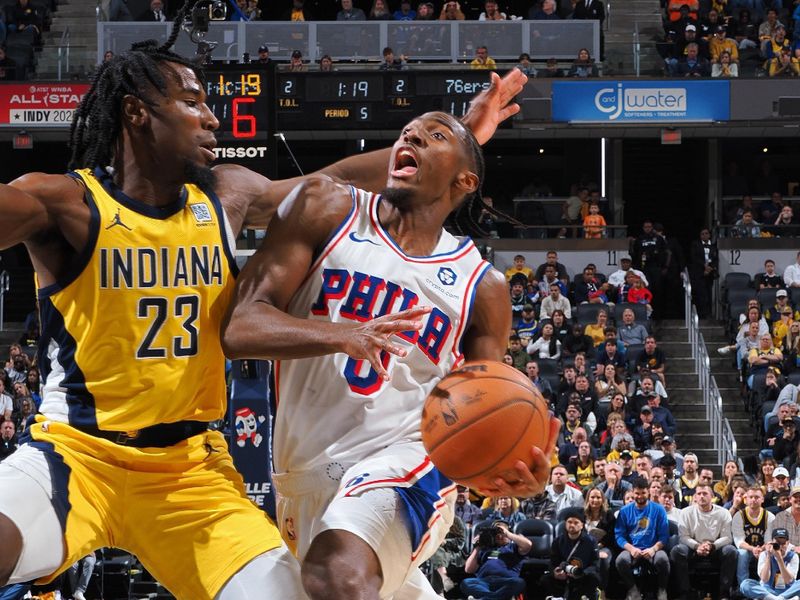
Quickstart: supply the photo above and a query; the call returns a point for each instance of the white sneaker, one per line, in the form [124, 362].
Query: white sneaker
[662, 594]
[634, 594]
[724, 350]
[447, 583]
[78, 596]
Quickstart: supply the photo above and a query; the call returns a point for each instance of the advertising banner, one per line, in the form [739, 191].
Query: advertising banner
[35, 104]
[652, 101]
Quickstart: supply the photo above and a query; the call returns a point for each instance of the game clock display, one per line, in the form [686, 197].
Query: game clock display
[371, 100]
[239, 96]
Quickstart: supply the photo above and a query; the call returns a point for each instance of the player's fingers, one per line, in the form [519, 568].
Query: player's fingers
[512, 85]
[375, 361]
[508, 111]
[555, 428]
[390, 327]
[393, 348]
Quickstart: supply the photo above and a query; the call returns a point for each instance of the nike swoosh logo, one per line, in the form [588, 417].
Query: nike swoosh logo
[361, 240]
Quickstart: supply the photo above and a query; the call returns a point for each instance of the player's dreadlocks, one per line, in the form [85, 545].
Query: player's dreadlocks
[465, 219]
[97, 122]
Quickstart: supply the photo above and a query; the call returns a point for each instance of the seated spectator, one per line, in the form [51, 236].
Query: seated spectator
[155, 14]
[784, 65]
[769, 278]
[491, 12]
[631, 332]
[8, 438]
[761, 358]
[780, 329]
[786, 225]
[379, 11]
[551, 260]
[767, 29]
[405, 13]
[687, 483]
[449, 556]
[596, 330]
[25, 18]
[725, 68]
[573, 560]
[783, 449]
[547, 346]
[642, 533]
[350, 12]
[525, 65]
[482, 59]
[730, 473]
[527, 327]
[551, 69]
[775, 45]
[617, 278]
[719, 42]
[298, 12]
[693, 65]
[667, 500]
[770, 208]
[555, 301]
[583, 66]
[425, 12]
[253, 12]
[539, 507]
[519, 356]
[560, 492]
[705, 531]
[451, 11]
[390, 63]
[777, 570]
[466, 511]
[560, 327]
[608, 383]
[496, 561]
[546, 13]
[532, 369]
[791, 275]
[614, 487]
[549, 278]
[296, 63]
[581, 466]
[746, 227]
[576, 341]
[610, 356]
[8, 68]
[518, 296]
[662, 415]
[649, 387]
[791, 347]
[519, 268]
[651, 359]
[744, 30]
[641, 295]
[505, 509]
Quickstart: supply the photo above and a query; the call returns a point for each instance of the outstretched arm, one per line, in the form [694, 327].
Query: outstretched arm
[25, 215]
[369, 171]
[486, 339]
[258, 326]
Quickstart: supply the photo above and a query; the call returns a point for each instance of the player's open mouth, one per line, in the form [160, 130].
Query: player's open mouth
[405, 164]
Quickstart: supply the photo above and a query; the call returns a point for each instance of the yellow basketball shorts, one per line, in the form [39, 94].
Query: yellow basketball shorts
[182, 510]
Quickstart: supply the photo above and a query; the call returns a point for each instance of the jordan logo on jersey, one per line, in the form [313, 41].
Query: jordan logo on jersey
[118, 221]
[362, 293]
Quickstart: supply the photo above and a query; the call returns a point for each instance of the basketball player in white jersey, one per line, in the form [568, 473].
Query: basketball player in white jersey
[366, 303]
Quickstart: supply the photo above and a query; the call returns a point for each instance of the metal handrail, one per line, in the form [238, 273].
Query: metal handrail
[63, 51]
[636, 48]
[722, 437]
[5, 285]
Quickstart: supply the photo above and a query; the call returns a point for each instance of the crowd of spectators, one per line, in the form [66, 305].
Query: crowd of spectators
[772, 217]
[22, 23]
[726, 38]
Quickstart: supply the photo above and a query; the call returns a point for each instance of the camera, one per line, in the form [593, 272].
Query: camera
[206, 11]
[776, 546]
[487, 536]
[572, 570]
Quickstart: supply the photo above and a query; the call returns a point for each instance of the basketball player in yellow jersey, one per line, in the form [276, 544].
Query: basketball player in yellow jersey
[132, 252]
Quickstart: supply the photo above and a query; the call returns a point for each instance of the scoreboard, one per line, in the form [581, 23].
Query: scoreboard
[371, 100]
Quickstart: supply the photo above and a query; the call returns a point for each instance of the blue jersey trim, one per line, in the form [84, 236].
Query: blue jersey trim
[84, 257]
[217, 203]
[59, 476]
[471, 305]
[464, 241]
[80, 401]
[420, 500]
[137, 206]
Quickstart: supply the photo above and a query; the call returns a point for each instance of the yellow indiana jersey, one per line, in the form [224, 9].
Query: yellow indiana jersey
[130, 337]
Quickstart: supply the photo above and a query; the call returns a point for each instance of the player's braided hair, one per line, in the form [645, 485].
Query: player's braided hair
[97, 122]
[465, 219]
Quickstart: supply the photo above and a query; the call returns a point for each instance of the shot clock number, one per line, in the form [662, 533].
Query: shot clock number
[244, 125]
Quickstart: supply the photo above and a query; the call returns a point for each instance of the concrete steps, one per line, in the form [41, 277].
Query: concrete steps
[79, 18]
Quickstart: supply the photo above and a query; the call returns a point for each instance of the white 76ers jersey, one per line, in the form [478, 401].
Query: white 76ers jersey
[336, 409]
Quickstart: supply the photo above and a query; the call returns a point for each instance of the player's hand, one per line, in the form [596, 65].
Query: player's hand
[493, 106]
[530, 479]
[368, 340]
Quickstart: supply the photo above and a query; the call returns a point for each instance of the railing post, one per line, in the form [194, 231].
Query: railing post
[5, 285]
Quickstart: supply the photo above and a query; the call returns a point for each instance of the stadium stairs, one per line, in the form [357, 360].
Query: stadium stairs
[686, 397]
[77, 16]
[624, 16]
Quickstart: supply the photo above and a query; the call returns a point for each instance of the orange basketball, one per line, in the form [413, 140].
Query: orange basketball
[480, 420]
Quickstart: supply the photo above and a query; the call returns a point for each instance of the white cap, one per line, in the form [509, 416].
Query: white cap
[780, 471]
